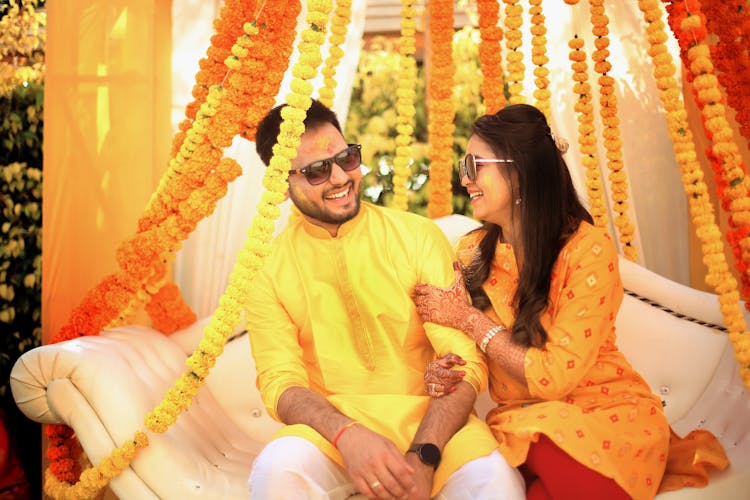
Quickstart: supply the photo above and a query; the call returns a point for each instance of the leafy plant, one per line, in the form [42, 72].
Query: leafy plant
[20, 263]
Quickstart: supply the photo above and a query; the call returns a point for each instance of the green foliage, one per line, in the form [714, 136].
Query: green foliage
[20, 263]
[21, 128]
[372, 119]
[21, 224]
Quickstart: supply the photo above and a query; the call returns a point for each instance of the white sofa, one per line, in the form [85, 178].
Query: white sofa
[103, 386]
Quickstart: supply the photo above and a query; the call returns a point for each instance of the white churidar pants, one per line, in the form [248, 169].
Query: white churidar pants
[293, 468]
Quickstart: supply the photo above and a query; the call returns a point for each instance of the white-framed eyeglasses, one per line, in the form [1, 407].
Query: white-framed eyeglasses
[468, 164]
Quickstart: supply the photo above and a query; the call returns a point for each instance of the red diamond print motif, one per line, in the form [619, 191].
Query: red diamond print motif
[544, 382]
[587, 332]
[570, 294]
[662, 458]
[571, 364]
[605, 390]
[579, 433]
[614, 418]
[653, 411]
[620, 371]
[602, 299]
[611, 267]
[605, 444]
[570, 400]
[648, 481]
[493, 281]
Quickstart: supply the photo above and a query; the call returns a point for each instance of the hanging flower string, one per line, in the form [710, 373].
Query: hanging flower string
[257, 245]
[688, 22]
[228, 26]
[93, 480]
[729, 20]
[719, 277]
[405, 109]
[339, 23]
[441, 109]
[539, 57]
[141, 257]
[513, 42]
[586, 133]
[490, 62]
[612, 143]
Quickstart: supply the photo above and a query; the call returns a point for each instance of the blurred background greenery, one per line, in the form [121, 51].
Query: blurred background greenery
[22, 44]
[372, 118]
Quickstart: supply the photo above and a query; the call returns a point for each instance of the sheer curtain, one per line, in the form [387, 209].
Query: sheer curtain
[106, 140]
[657, 200]
[204, 263]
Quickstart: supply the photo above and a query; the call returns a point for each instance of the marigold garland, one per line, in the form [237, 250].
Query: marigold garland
[513, 42]
[490, 61]
[257, 244]
[718, 276]
[405, 109]
[440, 109]
[539, 58]
[612, 143]
[186, 194]
[688, 23]
[339, 25]
[729, 21]
[586, 135]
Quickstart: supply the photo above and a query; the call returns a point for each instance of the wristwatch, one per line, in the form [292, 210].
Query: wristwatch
[428, 453]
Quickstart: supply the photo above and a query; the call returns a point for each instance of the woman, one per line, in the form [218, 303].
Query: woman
[538, 288]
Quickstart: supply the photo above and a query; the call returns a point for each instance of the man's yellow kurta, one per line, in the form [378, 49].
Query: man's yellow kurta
[335, 314]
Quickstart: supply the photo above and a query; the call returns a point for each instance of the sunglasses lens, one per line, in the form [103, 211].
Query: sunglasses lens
[468, 167]
[318, 172]
[349, 159]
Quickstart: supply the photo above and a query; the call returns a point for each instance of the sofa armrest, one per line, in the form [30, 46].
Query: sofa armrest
[103, 386]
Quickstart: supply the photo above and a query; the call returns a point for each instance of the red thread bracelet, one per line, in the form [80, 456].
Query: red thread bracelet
[341, 431]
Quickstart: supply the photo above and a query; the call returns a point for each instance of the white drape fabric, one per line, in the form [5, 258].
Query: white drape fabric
[656, 197]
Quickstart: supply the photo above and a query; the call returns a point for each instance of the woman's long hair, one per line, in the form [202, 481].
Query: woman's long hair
[549, 213]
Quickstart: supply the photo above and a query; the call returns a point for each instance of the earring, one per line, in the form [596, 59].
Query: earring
[518, 201]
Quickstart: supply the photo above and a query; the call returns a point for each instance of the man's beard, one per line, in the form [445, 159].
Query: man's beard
[320, 213]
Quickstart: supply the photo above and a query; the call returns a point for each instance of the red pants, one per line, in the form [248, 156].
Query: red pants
[552, 474]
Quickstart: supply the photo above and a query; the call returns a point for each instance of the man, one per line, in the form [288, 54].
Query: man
[340, 351]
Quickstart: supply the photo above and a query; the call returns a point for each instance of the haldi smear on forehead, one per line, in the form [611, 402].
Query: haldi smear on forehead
[324, 144]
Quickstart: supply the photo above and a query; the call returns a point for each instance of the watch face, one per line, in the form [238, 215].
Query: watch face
[429, 454]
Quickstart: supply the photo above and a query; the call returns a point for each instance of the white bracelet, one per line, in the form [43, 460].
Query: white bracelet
[488, 336]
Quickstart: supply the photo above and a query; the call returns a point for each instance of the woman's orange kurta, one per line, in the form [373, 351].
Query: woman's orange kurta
[582, 392]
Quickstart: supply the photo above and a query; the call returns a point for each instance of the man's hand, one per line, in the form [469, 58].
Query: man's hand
[375, 465]
[423, 478]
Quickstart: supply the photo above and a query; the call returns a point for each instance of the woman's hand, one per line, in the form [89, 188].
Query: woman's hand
[440, 379]
[444, 306]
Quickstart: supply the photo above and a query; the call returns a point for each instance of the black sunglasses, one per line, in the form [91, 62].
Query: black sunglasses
[319, 171]
[468, 164]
